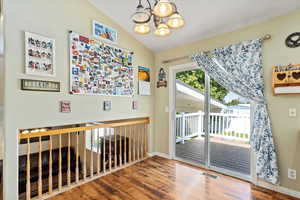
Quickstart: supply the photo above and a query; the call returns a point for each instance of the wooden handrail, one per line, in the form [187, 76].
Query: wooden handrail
[85, 128]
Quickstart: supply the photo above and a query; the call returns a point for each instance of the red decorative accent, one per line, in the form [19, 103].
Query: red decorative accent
[84, 39]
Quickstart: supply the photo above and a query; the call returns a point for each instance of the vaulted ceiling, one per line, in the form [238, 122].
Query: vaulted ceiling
[204, 18]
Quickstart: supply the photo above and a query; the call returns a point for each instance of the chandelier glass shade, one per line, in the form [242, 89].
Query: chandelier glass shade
[163, 8]
[141, 15]
[162, 30]
[142, 28]
[175, 21]
[163, 13]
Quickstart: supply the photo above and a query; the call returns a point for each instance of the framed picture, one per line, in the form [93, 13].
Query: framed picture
[103, 32]
[37, 85]
[107, 105]
[39, 55]
[144, 81]
[134, 105]
[65, 106]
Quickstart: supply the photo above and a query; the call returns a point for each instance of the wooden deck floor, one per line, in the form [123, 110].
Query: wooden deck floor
[229, 156]
[161, 179]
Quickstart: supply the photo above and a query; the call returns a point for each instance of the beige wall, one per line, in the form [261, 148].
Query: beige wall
[38, 109]
[56, 17]
[286, 130]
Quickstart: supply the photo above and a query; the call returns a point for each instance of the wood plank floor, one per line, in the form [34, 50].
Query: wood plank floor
[161, 179]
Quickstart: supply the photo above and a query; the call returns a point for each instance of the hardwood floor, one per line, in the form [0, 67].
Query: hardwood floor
[161, 179]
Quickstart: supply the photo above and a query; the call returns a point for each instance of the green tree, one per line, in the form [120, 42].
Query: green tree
[196, 79]
[233, 102]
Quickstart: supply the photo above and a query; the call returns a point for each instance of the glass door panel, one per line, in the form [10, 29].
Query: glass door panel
[190, 103]
[229, 131]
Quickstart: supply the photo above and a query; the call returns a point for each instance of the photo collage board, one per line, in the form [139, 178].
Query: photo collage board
[97, 68]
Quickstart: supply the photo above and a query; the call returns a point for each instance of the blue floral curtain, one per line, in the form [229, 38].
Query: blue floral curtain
[238, 68]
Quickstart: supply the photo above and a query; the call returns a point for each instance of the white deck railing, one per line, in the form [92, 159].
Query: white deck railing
[228, 126]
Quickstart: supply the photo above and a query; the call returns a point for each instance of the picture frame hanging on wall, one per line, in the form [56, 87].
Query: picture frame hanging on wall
[144, 81]
[39, 55]
[104, 32]
[39, 85]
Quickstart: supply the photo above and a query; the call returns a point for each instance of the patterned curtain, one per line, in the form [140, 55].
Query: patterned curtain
[238, 68]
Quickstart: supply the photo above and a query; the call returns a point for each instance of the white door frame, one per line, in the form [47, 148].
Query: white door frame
[172, 113]
[172, 101]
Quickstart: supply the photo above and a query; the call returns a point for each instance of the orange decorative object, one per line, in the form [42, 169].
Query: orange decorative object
[144, 76]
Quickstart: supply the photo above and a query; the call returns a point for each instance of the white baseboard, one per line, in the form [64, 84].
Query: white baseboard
[276, 188]
[164, 155]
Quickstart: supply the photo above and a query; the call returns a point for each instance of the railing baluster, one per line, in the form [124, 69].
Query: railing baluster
[101, 148]
[104, 151]
[130, 143]
[183, 128]
[142, 141]
[138, 142]
[115, 151]
[125, 145]
[92, 155]
[145, 140]
[40, 186]
[213, 124]
[134, 142]
[60, 165]
[98, 151]
[223, 125]
[216, 125]
[28, 186]
[77, 157]
[120, 148]
[202, 122]
[69, 160]
[110, 152]
[220, 128]
[193, 125]
[84, 155]
[50, 166]
[227, 127]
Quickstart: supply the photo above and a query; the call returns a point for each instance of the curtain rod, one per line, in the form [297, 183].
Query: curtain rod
[266, 37]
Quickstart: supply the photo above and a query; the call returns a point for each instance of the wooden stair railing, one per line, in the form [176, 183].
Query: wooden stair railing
[98, 150]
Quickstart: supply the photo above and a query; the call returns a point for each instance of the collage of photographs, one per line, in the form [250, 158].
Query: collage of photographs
[100, 69]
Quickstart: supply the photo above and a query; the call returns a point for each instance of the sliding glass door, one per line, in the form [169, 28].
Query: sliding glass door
[212, 126]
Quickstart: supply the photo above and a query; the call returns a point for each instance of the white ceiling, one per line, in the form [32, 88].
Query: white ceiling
[204, 18]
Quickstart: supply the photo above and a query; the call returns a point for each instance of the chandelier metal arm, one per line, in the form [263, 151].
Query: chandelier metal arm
[149, 4]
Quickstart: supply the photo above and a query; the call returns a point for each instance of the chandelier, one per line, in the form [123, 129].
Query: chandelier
[164, 14]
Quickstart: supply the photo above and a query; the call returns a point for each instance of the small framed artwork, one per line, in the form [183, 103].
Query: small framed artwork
[103, 32]
[37, 85]
[162, 79]
[39, 55]
[135, 105]
[65, 106]
[144, 81]
[107, 105]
